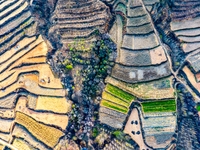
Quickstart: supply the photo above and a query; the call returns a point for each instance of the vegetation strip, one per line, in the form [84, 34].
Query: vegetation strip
[114, 106]
[198, 107]
[159, 106]
[39, 130]
[120, 93]
[114, 99]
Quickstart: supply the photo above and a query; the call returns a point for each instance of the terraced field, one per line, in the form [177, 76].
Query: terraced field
[159, 106]
[150, 3]
[136, 59]
[159, 89]
[186, 33]
[194, 60]
[117, 145]
[158, 122]
[79, 20]
[159, 133]
[185, 24]
[186, 9]
[116, 32]
[190, 76]
[32, 100]
[22, 145]
[20, 132]
[39, 130]
[33, 105]
[198, 107]
[119, 93]
[46, 118]
[111, 117]
[142, 70]
[115, 103]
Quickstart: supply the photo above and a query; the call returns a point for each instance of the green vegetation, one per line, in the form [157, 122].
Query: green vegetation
[198, 107]
[119, 135]
[79, 44]
[74, 138]
[95, 132]
[109, 97]
[99, 66]
[114, 106]
[159, 106]
[119, 93]
[69, 67]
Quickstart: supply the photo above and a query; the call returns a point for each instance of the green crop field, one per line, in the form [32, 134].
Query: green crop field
[110, 97]
[159, 106]
[114, 106]
[119, 93]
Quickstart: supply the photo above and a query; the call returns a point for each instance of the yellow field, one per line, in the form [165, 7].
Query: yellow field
[2, 147]
[109, 97]
[48, 135]
[20, 44]
[54, 104]
[113, 106]
[22, 145]
[19, 132]
[26, 56]
[46, 118]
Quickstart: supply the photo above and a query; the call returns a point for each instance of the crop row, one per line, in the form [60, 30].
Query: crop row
[114, 106]
[159, 106]
[119, 93]
[109, 97]
[46, 134]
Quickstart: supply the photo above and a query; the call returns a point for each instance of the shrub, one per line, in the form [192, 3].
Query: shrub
[95, 132]
[119, 135]
[69, 67]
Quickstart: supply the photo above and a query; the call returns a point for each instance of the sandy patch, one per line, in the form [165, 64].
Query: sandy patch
[133, 127]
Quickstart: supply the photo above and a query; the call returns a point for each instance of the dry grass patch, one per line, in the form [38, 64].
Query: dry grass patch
[22, 145]
[48, 135]
[55, 104]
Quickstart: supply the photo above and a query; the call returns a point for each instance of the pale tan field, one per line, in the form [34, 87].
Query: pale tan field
[133, 127]
[39, 130]
[11, 7]
[47, 118]
[54, 104]
[19, 132]
[22, 145]
[20, 9]
[191, 78]
[7, 113]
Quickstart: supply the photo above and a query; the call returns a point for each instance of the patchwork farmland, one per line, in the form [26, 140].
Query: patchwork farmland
[141, 75]
[99, 74]
[28, 87]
